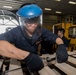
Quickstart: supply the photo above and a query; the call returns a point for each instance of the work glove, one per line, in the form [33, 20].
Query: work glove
[33, 62]
[61, 54]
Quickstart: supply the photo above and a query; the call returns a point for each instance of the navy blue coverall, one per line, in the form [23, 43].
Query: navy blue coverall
[16, 37]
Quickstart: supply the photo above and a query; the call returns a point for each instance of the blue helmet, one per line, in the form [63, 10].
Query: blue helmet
[29, 11]
[30, 21]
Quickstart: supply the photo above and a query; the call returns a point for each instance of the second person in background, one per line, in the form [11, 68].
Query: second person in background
[61, 33]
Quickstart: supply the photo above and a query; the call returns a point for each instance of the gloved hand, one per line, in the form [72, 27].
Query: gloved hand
[61, 54]
[33, 62]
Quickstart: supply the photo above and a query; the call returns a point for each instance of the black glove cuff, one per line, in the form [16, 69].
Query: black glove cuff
[28, 58]
[61, 45]
[61, 53]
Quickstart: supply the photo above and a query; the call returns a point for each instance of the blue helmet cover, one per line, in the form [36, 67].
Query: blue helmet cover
[29, 11]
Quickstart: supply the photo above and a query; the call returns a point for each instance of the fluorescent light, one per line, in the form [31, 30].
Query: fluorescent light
[71, 2]
[58, 12]
[7, 7]
[58, 0]
[8, 0]
[47, 9]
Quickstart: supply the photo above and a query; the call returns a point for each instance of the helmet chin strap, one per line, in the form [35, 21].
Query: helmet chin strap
[29, 34]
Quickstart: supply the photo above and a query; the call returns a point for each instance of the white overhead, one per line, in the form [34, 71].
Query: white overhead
[55, 5]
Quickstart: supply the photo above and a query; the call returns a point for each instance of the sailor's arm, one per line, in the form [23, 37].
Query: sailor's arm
[9, 50]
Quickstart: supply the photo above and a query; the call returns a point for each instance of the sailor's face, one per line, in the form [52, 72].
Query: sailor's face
[31, 27]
